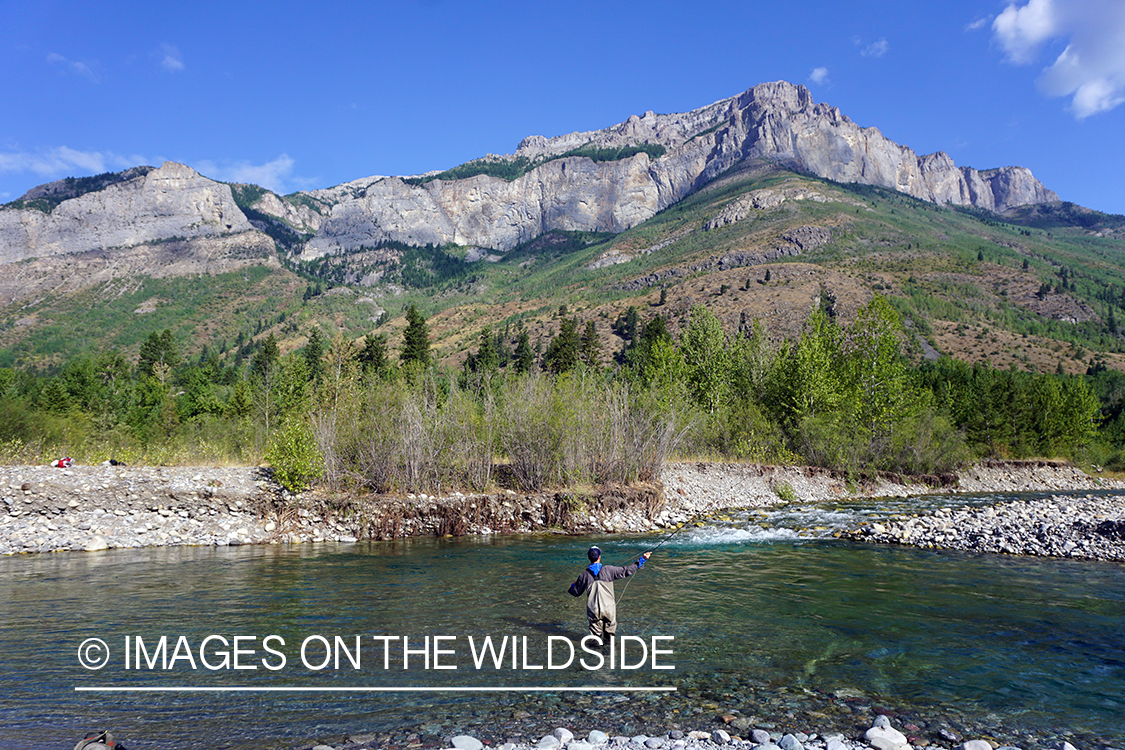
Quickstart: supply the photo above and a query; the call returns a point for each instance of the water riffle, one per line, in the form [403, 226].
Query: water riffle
[768, 616]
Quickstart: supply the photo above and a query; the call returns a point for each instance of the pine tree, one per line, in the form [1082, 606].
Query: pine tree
[266, 359]
[564, 350]
[265, 371]
[503, 352]
[631, 325]
[158, 347]
[416, 339]
[314, 355]
[241, 401]
[54, 397]
[373, 356]
[486, 358]
[524, 357]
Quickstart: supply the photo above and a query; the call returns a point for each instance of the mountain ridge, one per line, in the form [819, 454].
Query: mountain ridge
[143, 241]
[776, 122]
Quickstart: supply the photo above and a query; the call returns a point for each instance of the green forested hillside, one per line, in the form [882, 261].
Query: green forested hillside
[770, 316]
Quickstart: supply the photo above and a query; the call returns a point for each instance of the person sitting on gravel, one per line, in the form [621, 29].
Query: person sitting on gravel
[596, 581]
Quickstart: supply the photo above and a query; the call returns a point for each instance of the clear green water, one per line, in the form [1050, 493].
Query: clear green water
[763, 621]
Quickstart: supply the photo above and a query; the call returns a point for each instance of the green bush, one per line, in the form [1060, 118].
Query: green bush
[740, 430]
[785, 492]
[294, 455]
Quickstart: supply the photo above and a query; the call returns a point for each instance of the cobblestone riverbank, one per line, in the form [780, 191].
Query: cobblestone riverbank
[47, 509]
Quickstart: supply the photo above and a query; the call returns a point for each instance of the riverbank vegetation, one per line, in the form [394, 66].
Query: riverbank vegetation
[355, 414]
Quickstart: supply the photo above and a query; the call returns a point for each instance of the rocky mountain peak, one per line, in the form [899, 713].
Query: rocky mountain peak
[778, 96]
[776, 122]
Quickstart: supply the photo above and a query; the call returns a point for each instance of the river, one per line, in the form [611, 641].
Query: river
[760, 613]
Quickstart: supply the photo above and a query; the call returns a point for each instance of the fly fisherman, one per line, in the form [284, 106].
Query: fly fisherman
[596, 582]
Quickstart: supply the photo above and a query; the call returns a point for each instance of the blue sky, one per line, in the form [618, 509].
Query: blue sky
[297, 96]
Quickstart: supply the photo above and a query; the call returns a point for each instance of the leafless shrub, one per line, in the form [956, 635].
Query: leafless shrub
[528, 434]
[390, 436]
[469, 425]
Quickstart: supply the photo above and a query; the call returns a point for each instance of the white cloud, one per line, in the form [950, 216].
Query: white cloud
[819, 75]
[1091, 68]
[1020, 31]
[74, 66]
[64, 161]
[273, 175]
[978, 24]
[90, 161]
[876, 49]
[171, 59]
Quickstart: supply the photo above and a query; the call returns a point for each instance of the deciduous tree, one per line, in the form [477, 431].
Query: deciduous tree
[707, 362]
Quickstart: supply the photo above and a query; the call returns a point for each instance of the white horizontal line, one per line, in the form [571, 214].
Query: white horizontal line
[414, 689]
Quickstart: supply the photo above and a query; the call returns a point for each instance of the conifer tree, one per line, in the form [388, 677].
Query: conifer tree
[157, 348]
[591, 346]
[416, 339]
[524, 357]
[373, 356]
[488, 359]
[631, 323]
[241, 401]
[264, 371]
[314, 355]
[564, 350]
[503, 352]
[266, 359]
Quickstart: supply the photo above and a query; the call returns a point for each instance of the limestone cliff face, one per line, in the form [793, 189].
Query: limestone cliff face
[303, 218]
[571, 194]
[155, 205]
[776, 122]
[773, 122]
[780, 122]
